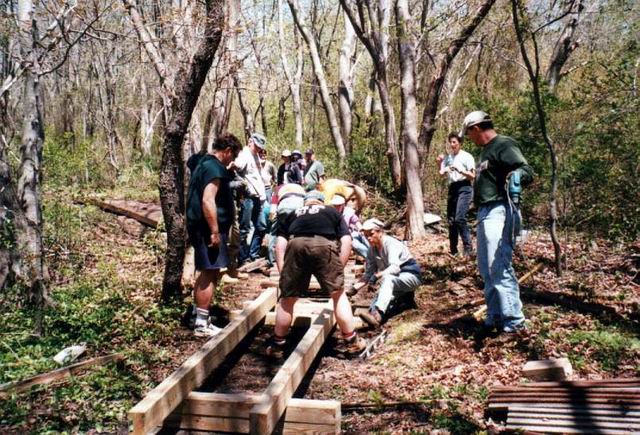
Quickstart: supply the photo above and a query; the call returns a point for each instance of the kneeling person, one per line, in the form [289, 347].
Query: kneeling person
[389, 262]
[314, 240]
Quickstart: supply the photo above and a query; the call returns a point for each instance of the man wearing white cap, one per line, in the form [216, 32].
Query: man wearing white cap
[288, 172]
[359, 243]
[498, 216]
[389, 262]
[248, 166]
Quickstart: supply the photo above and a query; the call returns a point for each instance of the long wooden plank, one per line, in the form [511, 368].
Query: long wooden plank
[560, 405]
[570, 422]
[145, 213]
[56, 375]
[573, 395]
[576, 390]
[571, 384]
[564, 400]
[241, 425]
[163, 399]
[564, 430]
[273, 402]
[613, 411]
[629, 421]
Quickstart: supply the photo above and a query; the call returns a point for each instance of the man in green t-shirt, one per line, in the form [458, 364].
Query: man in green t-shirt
[498, 217]
[314, 172]
[210, 214]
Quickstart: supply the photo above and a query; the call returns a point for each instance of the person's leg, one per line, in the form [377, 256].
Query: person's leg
[385, 293]
[343, 313]
[465, 196]
[490, 226]
[504, 278]
[259, 225]
[284, 315]
[246, 225]
[360, 244]
[451, 215]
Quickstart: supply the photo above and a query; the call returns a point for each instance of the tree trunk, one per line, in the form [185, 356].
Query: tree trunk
[345, 88]
[292, 79]
[435, 86]
[29, 238]
[537, 98]
[409, 129]
[389, 129]
[565, 45]
[318, 71]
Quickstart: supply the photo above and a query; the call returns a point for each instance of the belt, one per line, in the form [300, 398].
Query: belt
[297, 236]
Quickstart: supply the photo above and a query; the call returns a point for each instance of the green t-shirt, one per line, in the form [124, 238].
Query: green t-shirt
[208, 169]
[312, 175]
[498, 158]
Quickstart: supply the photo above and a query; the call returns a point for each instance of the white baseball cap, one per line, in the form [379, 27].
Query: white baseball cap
[472, 119]
[338, 200]
[372, 224]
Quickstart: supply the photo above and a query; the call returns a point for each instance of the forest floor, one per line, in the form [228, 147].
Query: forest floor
[434, 372]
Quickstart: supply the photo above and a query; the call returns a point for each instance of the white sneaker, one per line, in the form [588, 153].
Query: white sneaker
[226, 279]
[208, 330]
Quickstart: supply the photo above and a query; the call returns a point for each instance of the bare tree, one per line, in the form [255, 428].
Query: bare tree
[318, 71]
[436, 83]
[293, 79]
[371, 24]
[565, 45]
[409, 129]
[345, 88]
[519, 18]
[179, 100]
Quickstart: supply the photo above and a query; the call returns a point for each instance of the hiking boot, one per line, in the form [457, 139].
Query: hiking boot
[226, 279]
[372, 317]
[515, 329]
[188, 319]
[206, 330]
[275, 347]
[355, 346]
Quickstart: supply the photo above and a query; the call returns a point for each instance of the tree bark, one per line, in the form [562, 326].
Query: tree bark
[318, 71]
[517, 9]
[409, 129]
[292, 79]
[565, 45]
[376, 41]
[434, 91]
[345, 88]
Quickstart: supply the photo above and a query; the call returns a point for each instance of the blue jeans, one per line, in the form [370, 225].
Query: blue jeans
[458, 203]
[359, 244]
[250, 211]
[495, 253]
[393, 286]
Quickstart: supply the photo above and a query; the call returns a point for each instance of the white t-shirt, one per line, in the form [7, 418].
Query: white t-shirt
[463, 161]
[250, 169]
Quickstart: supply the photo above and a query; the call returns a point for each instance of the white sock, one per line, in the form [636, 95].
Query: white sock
[202, 317]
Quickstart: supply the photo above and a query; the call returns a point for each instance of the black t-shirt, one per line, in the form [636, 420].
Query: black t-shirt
[208, 169]
[314, 220]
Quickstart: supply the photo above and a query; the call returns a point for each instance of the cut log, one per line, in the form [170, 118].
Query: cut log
[548, 370]
[273, 402]
[56, 375]
[163, 399]
[148, 214]
[258, 264]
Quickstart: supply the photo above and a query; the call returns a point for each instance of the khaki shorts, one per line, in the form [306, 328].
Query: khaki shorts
[306, 256]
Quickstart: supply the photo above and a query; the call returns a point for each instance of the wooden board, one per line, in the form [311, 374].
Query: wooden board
[148, 214]
[56, 375]
[163, 399]
[230, 413]
[273, 402]
[548, 369]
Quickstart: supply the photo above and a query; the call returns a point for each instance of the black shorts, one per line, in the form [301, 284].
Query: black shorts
[306, 256]
[206, 257]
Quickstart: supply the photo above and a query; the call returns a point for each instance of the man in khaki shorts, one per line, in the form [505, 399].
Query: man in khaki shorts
[314, 240]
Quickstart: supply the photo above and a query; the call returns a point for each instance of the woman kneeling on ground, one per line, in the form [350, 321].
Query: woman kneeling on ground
[389, 263]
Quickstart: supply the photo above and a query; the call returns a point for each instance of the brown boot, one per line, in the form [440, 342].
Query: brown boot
[372, 317]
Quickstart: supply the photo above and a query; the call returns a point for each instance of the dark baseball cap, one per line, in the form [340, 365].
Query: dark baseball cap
[309, 151]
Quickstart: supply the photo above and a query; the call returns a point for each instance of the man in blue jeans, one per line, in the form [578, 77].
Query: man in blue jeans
[249, 167]
[498, 217]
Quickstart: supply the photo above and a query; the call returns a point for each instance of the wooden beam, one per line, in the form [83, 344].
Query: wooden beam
[163, 399]
[230, 413]
[56, 375]
[273, 402]
[548, 369]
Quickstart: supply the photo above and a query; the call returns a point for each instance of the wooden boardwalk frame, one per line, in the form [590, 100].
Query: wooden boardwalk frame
[162, 400]
[174, 404]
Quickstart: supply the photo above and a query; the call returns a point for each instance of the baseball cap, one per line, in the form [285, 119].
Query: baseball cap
[259, 140]
[338, 200]
[296, 152]
[472, 119]
[372, 224]
[309, 151]
[314, 194]
[286, 153]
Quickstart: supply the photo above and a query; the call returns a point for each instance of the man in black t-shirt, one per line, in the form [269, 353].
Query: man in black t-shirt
[314, 240]
[209, 218]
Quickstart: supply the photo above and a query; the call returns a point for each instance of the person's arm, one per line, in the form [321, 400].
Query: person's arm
[512, 157]
[210, 211]
[370, 268]
[440, 161]
[394, 251]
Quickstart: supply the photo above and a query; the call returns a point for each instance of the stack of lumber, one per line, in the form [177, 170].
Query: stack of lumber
[607, 406]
